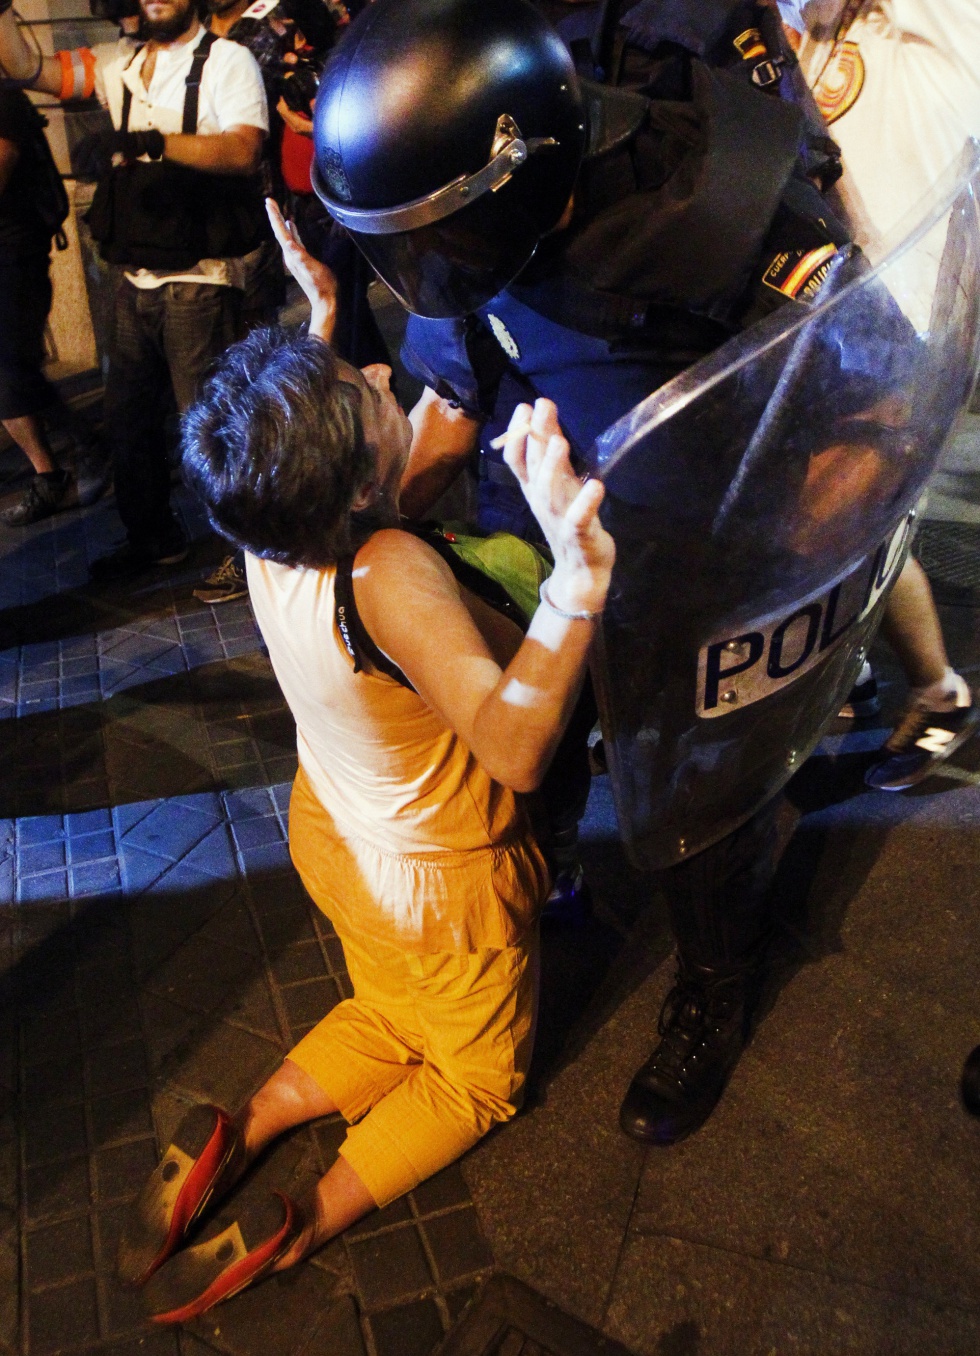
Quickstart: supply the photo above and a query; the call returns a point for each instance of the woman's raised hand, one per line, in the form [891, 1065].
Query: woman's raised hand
[566, 507]
[316, 279]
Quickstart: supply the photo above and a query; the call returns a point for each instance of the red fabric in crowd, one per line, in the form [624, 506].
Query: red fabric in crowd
[296, 157]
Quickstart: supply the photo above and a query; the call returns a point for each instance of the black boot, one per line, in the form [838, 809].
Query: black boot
[703, 1025]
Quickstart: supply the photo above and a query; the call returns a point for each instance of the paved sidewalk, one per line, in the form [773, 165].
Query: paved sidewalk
[157, 949]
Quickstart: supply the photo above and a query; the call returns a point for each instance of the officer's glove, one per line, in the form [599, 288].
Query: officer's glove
[94, 156]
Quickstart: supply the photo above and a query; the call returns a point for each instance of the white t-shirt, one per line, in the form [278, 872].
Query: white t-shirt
[901, 96]
[232, 95]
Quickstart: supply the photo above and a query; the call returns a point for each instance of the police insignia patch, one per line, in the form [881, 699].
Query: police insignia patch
[504, 337]
[840, 84]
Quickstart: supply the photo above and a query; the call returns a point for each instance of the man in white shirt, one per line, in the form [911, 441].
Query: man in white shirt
[898, 83]
[179, 209]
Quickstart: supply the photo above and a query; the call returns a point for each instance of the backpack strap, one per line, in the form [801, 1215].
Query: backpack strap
[192, 88]
[353, 632]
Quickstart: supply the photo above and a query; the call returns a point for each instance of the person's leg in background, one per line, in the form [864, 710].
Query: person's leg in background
[136, 391]
[25, 300]
[940, 713]
[720, 915]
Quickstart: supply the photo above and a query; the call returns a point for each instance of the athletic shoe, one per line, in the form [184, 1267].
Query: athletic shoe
[921, 741]
[863, 700]
[234, 1251]
[224, 584]
[570, 900]
[205, 1155]
[127, 561]
[46, 494]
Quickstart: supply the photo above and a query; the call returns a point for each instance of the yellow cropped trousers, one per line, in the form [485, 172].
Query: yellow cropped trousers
[430, 1052]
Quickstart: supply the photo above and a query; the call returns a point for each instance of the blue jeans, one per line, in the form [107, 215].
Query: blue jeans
[164, 340]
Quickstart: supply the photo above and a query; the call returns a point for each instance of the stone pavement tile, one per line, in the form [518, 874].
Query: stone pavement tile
[409, 1330]
[53, 1082]
[167, 1025]
[147, 1344]
[840, 1145]
[53, 1133]
[390, 1266]
[306, 1004]
[456, 1244]
[457, 1300]
[447, 1188]
[57, 1189]
[565, 1165]
[9, 1292]
[337, 1332]
[674, 1296]
[121, 1170]
[395, 1212]
[222, 1064]
[163, 920]
[117, 1069]
[65, 1318]
[273, 1318]
[121, 1116]
[59, 1252]
[302, 960]
[250, 1006]
[173, 827]
[200, 973]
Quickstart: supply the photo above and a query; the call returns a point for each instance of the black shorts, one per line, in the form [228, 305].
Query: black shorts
[25, 300]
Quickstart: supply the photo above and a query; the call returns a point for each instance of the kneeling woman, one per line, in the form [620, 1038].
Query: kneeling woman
[406, 822]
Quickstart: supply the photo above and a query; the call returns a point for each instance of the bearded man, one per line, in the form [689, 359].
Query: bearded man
[179, 209]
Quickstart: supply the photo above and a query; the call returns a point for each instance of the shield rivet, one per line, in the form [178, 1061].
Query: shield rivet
[733, 646]
[730, 697]
[791, 759]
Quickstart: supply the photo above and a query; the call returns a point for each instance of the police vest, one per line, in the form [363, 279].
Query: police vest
[163, 216]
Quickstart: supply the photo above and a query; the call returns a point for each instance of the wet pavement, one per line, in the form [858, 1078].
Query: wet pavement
[156, 949]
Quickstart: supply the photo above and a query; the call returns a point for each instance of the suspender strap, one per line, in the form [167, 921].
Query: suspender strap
[353, 632]
[192, 91]
[127, 102]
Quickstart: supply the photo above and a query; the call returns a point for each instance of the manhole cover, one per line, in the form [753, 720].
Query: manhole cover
[950, 556]
[508, 1318]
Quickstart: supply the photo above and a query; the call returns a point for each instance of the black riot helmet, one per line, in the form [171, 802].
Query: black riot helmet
[448, 135]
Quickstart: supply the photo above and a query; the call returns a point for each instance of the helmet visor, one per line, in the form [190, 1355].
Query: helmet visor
[454, 266]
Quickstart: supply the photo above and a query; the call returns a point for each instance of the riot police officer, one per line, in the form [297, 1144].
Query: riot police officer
[559, 237]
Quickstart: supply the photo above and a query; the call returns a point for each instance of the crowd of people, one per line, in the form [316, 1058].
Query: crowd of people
[565, 233]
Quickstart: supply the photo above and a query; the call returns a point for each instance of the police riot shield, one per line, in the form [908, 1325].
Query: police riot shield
[762, 506]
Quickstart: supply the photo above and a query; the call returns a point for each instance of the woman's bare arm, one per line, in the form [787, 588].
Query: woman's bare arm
[512, 717]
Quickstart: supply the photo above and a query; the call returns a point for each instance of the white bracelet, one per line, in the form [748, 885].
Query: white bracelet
[568, 616]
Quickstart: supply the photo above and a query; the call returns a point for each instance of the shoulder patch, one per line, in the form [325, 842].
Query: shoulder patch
[504, 337]
[841, 83]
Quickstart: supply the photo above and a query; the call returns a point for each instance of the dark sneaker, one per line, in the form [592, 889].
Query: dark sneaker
[234, 1251]
[127, 561]
[225, 584]
[921, 742]
[863, 700]
[46, 494]
[703, 1029]
[93, 476]
[570, 901]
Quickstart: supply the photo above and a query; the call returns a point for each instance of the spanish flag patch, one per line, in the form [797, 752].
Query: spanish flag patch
[799, 273]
